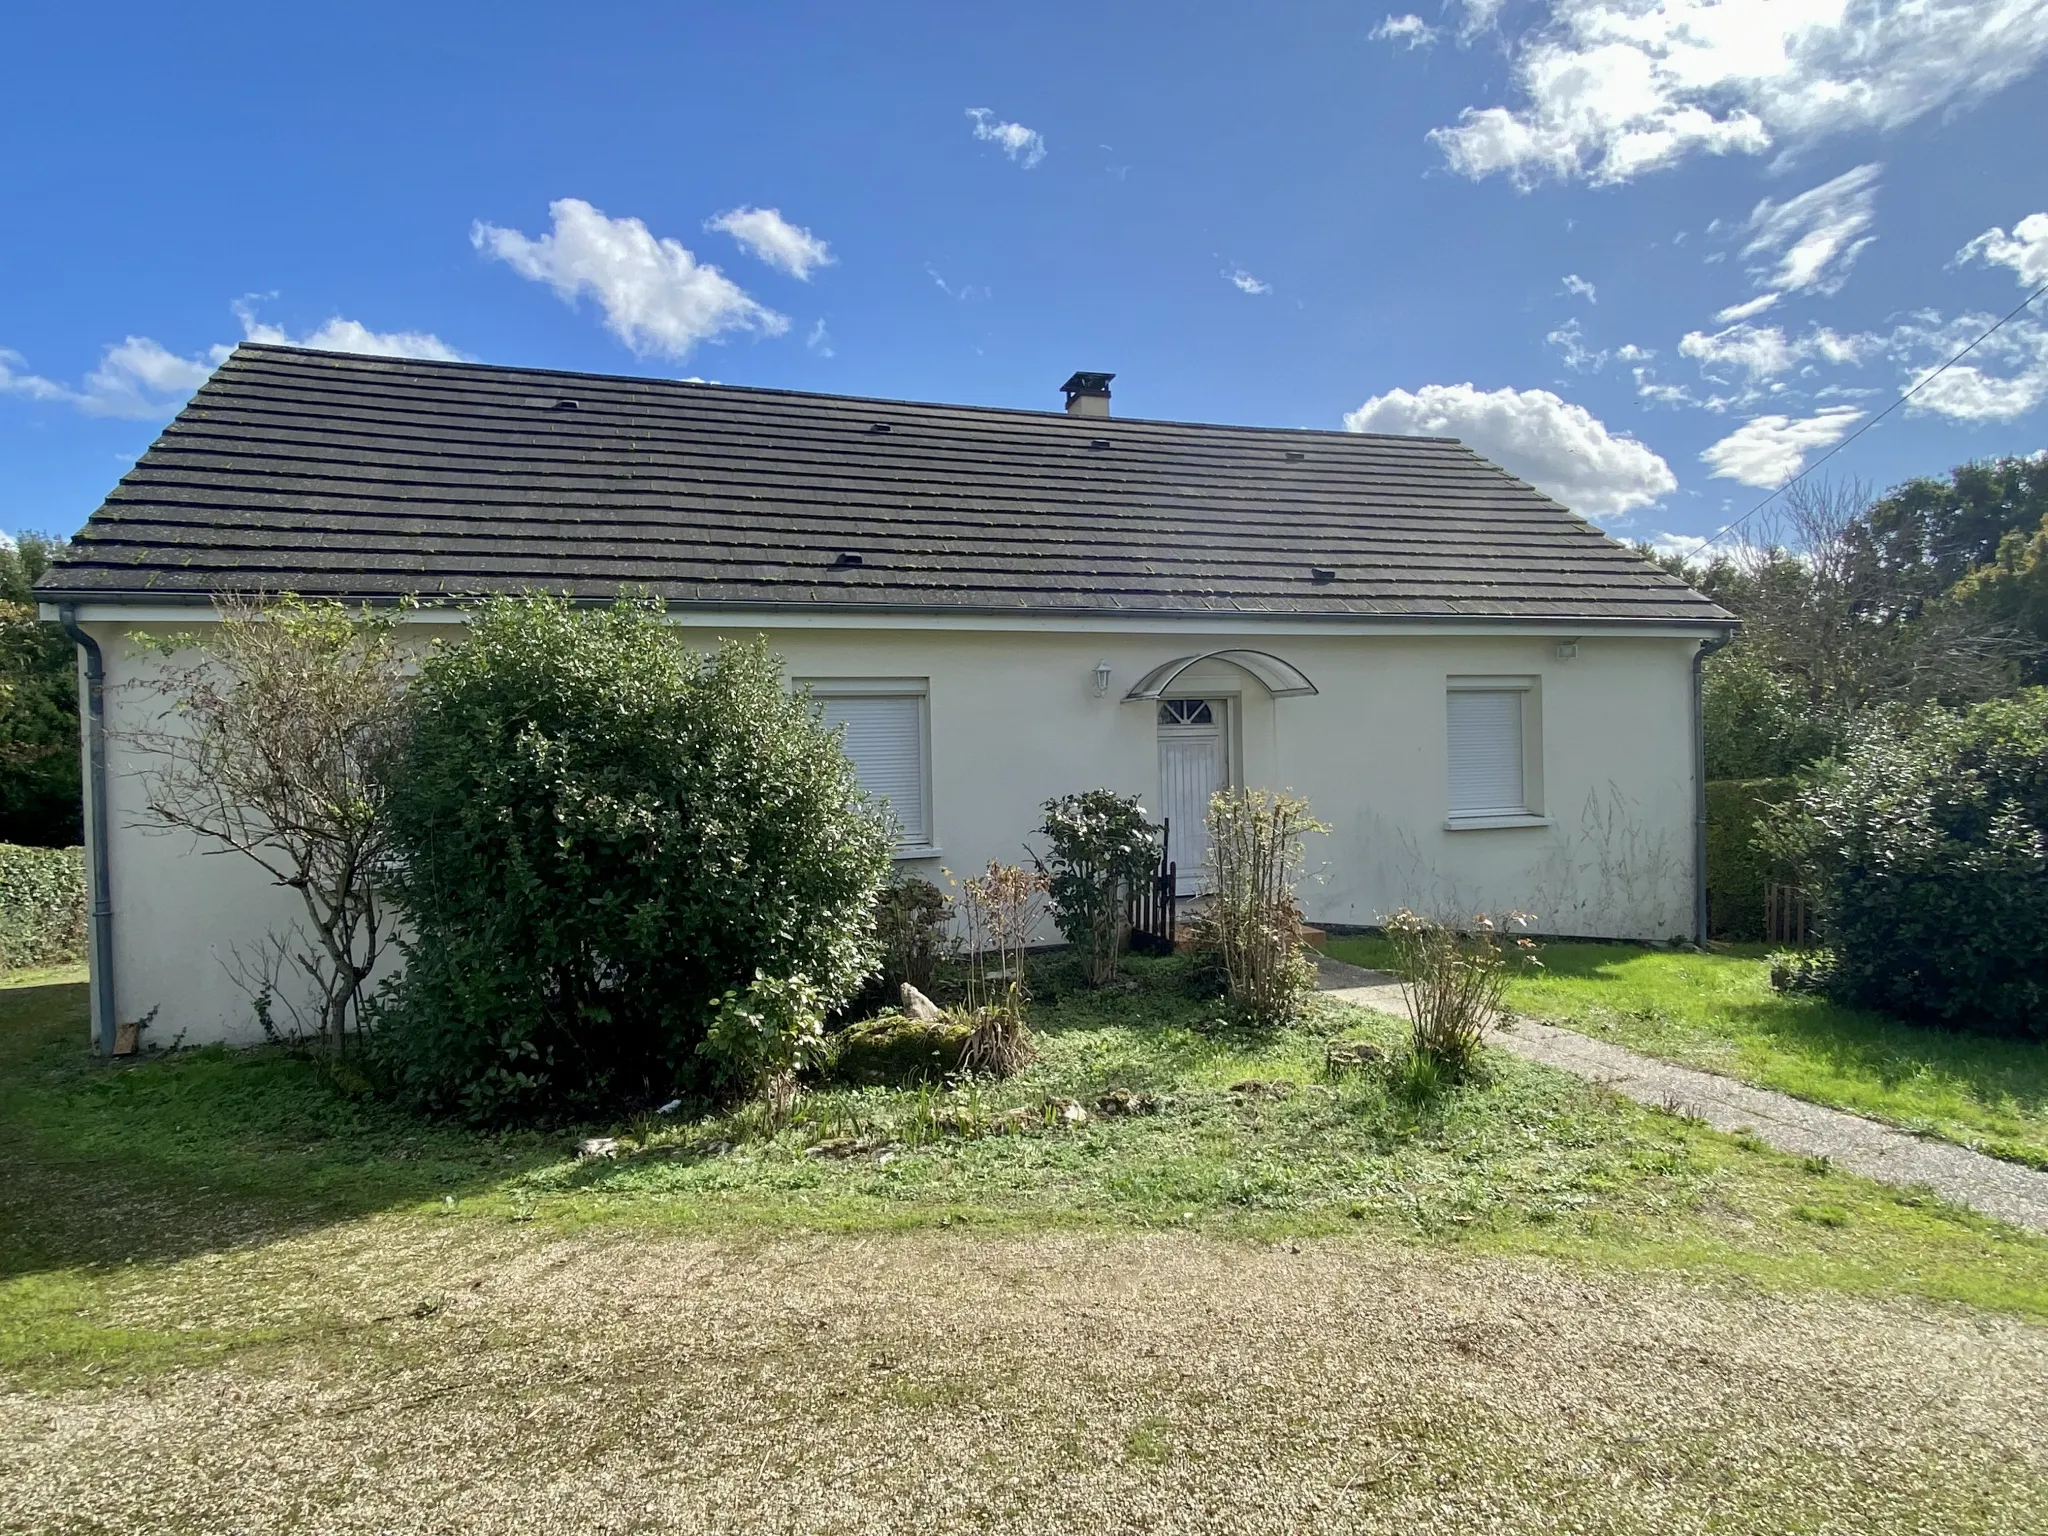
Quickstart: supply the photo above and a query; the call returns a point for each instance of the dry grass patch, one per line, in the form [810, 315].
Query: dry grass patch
[450, 1375]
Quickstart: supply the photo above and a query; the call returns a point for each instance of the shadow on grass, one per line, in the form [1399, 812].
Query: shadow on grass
[177, 1155]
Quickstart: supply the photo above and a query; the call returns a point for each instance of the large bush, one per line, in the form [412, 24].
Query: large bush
[1928, 850]
[42, 905]
[628, 869]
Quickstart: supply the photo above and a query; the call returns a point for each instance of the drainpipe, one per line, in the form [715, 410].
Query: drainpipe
[1699, 779]
[96, 827]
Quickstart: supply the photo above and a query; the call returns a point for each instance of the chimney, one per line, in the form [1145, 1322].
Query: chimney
[1088, 394]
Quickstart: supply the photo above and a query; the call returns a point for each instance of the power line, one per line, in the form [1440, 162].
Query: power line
[1880, 416]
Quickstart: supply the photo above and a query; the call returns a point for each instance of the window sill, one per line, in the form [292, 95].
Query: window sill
[1492, 823]
[917, 851]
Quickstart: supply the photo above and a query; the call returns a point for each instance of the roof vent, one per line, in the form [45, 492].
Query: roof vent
[1321, 574]
[848, 558]
[1296, 453]
[878, 426]
[1098, 442]
[1088, 394]
[565, 405]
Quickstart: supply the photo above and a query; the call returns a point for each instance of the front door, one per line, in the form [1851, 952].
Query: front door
[1194, 763]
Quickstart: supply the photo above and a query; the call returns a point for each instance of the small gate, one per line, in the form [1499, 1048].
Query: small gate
[1785, 915]
[1152, 904]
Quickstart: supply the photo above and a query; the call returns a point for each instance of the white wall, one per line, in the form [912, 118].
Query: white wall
[1015, 720]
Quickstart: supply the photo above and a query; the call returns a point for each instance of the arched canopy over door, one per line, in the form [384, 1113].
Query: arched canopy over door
[1282, 679]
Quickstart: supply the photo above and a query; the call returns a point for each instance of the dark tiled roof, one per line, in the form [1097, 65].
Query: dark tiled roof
[322, 473]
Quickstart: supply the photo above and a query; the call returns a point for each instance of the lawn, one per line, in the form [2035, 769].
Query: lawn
[236, 1284]
[1717, 1011]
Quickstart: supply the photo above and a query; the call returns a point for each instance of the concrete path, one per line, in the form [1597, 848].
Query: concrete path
[2005, 1190]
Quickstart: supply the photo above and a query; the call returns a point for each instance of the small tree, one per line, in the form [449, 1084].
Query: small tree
[1101, 848]
[275, 730]
[1253, 923]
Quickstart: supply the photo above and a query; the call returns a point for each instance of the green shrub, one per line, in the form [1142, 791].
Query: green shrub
[627, 870]
[911, 922]
[1927, 851]
[1101, 846]
[1738, 869]
[42, 905]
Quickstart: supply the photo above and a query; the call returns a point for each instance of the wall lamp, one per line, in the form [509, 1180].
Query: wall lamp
[1102, 674]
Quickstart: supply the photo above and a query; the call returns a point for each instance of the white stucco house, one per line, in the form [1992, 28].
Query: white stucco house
[1492, 704]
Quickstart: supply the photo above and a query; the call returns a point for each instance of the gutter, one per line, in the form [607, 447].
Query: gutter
[1699, 779]
[95, 725]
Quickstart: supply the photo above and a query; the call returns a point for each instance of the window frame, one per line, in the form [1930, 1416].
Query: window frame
[1530, 691]
[918, 688]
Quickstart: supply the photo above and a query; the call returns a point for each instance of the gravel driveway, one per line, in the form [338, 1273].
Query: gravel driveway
[490, 1379]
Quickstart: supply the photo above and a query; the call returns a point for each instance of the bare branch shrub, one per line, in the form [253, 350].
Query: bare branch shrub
[1452, 979]
[1252, 922]
[274, 726]
[999, 908]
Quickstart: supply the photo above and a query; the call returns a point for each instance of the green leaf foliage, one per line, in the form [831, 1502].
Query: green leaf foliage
[1738, 869]
[2013, 588]
[628, 869]
[42, 905]
[1758, 725]
[1100, 846]
[40, 796]
[1928, 850]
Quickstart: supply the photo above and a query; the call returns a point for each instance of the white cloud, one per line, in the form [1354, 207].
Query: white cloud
[1561, 449]
[1814, 238]
[137, 379]
[2004, 377]
[1687, 546]
[2025, 250]
[766, 235]
[656, 296]
[339, 335]
[1411, 29]
[1571, 345]
[1766, 451]
[1612, 89]
[30, 386]
[820, 340]
[1244, 282]
[1024, 145]
[1764, 351]
[1580, 288]
[1748, 311]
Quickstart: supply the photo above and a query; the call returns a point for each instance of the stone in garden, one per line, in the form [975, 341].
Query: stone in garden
[598, 1146]
[1127, 1101]
[1065, 1112]
[920, 1007]
[1022, 1118]
[1351, 1056]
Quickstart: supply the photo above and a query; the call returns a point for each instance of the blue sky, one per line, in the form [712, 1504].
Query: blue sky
[1530, 223]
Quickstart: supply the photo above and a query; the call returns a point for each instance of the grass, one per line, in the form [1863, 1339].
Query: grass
[112, 1180]
[1717, 1011]
[235, 1288]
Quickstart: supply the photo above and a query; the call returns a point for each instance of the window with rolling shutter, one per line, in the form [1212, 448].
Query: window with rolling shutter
[884, 738]
[1486, 758]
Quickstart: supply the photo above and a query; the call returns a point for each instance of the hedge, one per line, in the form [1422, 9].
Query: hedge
[42, 905]
[1737, 871]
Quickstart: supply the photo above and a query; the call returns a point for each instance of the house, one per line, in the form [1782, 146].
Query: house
[1492, 705]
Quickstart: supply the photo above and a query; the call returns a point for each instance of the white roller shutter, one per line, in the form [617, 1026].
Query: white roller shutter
[1486, 752]
[884, 738]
